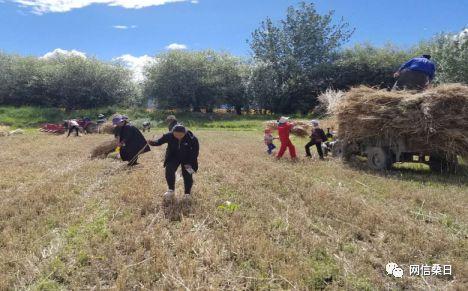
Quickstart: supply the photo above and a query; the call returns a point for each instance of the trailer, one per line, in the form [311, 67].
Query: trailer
[382, 153]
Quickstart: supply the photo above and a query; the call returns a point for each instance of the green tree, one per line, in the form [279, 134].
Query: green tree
[450, 53]
[196, 80]
[366, 65]
[70, 82]
[296, 50]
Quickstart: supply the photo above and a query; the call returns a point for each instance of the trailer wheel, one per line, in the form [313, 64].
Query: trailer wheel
[443, 163]
[379, 158]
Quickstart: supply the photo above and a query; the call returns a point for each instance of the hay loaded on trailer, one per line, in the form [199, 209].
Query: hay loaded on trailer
[389, 127]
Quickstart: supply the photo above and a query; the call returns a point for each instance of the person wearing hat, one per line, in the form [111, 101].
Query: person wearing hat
[317, 137]
[171, 122]
[415, 74]
[146, 126]
[182, 150]
[131, 141]
[284, 129]
[100, 122]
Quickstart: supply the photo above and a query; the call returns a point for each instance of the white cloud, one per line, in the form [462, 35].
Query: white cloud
[194, 1]
[63, 53]
[463, 34]
[124, 27]
[136, 64]
[47, 6]
[176, 46]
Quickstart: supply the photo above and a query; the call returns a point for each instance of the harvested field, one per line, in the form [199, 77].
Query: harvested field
[68, 222]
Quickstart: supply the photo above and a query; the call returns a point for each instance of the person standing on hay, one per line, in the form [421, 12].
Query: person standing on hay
[317, 137]
[132, 143]
[171, 121]
[182, 150]
[284, 129]
[416, 74]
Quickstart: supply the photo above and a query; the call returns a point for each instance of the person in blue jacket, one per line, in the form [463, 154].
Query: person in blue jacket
[415, 74]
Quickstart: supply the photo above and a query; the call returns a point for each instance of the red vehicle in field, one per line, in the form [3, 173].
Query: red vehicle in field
[53, 128]
[86, 126]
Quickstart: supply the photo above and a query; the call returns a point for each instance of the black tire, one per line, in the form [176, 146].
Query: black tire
[379, 158]
[443, 163]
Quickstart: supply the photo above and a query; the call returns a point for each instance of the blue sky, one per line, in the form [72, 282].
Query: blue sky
[123, 27]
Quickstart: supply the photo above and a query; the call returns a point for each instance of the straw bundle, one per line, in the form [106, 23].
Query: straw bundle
[300, 128]
[102, 150]
[107, 128]
[300, 131]
[4, 130]
[436, 119]
[271, 125]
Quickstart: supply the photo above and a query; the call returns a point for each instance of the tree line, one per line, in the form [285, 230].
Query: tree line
[70, 82]
[292, 62]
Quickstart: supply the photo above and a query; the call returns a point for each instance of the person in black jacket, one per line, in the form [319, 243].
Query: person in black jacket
[131, 140]
[318, 136]
[182, 150]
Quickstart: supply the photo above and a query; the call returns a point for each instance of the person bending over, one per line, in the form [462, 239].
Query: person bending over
[415, 74]
[73, 126]
[131, 140]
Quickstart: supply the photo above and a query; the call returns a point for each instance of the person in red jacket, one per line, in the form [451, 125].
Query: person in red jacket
[284, 128]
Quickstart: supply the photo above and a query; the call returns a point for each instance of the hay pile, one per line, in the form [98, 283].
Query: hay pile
[102, 150]
[436, 119]
[4, 131]
[300, 128]
[106, 128]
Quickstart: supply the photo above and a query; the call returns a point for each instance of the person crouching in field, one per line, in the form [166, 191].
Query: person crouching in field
[284, 128]
[132, 143]
[317, 137]
[268, 139]
[182, 150]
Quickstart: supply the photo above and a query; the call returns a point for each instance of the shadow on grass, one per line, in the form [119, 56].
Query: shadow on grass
[416, 172]
[174, 210]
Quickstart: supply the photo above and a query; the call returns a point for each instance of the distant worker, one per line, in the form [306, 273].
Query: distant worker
[100, 121]
[416, 74]
[132, 143]
[146, 126]
[171, 121]
[73, 125]
[182, 150]
[316, 138]
[284, 129]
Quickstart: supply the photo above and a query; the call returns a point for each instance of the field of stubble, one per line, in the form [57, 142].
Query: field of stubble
[69, 223]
